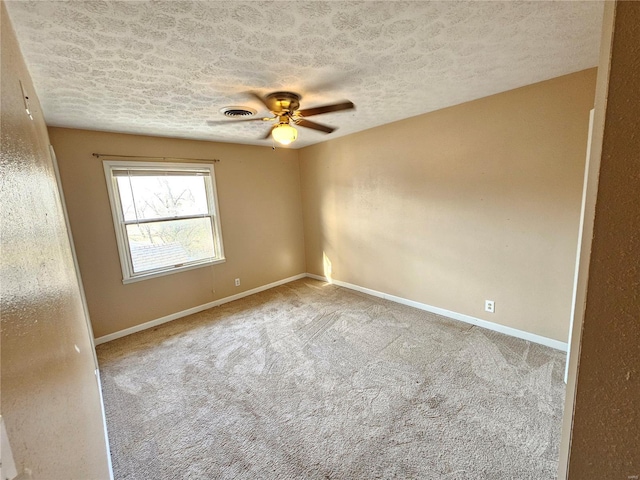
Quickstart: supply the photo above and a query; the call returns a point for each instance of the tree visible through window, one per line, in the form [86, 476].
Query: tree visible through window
[165, 215]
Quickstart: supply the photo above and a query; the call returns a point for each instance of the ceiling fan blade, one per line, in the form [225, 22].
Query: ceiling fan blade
[269, 132]
[220, 122]
[327, 83]
[336, 107]
[261, 100]
[316, 126]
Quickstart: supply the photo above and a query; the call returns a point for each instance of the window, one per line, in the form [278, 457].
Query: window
[165, 216]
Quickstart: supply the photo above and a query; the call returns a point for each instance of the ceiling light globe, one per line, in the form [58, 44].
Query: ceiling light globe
[284, 134]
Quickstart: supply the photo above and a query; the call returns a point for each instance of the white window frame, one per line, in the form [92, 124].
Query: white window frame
[119, 223]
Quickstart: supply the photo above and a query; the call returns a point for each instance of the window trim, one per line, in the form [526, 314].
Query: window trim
[119, 223]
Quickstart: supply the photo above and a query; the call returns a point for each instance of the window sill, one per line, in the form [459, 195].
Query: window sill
[148, 276]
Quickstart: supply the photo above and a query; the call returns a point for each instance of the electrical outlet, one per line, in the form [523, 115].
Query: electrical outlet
[489, 306]
[237, 282]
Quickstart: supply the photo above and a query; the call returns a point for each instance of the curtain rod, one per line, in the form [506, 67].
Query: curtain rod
[206, 160]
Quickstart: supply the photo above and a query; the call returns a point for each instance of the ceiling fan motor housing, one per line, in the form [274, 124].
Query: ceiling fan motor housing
[283, 102]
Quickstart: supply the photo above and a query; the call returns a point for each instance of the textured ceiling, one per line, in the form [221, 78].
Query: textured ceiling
[166, 67]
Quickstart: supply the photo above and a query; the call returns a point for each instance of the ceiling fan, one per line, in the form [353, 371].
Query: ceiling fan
[285, 108]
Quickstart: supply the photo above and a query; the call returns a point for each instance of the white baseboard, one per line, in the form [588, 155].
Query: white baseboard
[514, 332]
[192, 310]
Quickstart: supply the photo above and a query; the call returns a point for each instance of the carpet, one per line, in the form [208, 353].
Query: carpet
[313, 381]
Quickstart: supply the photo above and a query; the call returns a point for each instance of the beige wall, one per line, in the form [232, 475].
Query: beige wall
[473, 202]
[259, 197]
[50, 397]
[605, 441]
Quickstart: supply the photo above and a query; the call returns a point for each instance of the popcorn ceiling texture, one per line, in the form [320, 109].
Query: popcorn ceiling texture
[165, 67]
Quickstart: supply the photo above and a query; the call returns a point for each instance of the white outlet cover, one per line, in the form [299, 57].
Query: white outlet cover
[489, 306]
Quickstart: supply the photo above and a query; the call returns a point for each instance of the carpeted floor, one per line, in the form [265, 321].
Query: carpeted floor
[313, 381]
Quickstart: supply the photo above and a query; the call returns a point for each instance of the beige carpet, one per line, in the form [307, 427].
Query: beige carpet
[313, 381]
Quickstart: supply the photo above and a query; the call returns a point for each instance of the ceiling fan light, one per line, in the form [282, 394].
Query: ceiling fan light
[284, 134]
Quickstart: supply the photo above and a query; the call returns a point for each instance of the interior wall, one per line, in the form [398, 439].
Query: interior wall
[50, 395]
[605, 437]
[477, 201]
[259, 200]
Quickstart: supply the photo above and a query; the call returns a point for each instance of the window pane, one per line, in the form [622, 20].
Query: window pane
[170, 243]
[145, 197]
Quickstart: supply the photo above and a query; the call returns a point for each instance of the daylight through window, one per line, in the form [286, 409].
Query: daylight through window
[165, 215]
